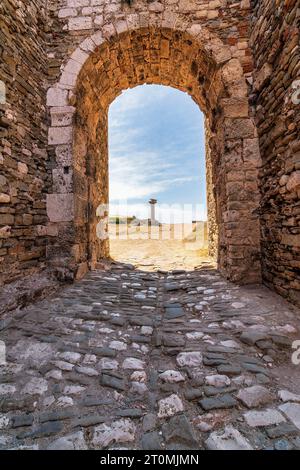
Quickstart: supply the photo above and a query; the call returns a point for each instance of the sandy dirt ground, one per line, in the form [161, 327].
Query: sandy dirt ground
[166, 248]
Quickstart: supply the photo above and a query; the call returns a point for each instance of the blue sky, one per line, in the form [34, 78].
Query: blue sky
[156, 149]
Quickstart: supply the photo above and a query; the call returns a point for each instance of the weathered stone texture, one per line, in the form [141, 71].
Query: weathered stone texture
[98, 49]
[23, 138]
[238, 60]
[275, 42]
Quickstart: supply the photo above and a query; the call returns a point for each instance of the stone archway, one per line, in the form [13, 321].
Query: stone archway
[189, 59]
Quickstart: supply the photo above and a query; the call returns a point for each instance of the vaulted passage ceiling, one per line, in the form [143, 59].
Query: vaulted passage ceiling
[160, 56]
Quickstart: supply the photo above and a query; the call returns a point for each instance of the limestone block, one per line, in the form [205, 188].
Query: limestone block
[98, 38]
[50, 230]
[27, 219]
[73, 67]
[68, 80]
[195, 30]
[118, 432]
[22, 168]
[57, 97]
[290, 239]
[67, 12]
[133, 21]
[60, 135]
[62, 116]
[60, 207]
[3, 182]
[221, 53]
[212, 14]
[170, 406]
[245, 4]
[90, 10]
[187, 6]
[87, 45]
[78, 3]
[201, 14]
[5, 232]
[98, 20]
[232, 71]
[255, 396]
[108, 31]
[292, 411]
[251, 152]
[214, 4]
[6, 219]
[80, 23]
[235, 107]
[229, 439]
[62, 180]
[266, 417]
[262, 76]
[111, 8]
[283, 180]
[36, 386]
[286, 395]
[63, 155]
[293, 183]
[79, 55]
[157, 7]
[121, 26]
[239, 128]
[4, 198]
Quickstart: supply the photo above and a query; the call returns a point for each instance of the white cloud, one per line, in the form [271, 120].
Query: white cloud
[140, 175]
[139, 168]
[139, 97]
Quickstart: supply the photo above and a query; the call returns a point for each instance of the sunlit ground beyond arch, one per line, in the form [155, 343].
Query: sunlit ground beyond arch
[157, 150]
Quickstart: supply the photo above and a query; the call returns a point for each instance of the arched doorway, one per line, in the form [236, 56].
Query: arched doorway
[156, 152]
[216, 83]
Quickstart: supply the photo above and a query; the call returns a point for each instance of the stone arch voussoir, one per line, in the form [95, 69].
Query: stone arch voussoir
[230, 130]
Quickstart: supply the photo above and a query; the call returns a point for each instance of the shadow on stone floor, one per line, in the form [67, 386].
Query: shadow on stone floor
[151, 360]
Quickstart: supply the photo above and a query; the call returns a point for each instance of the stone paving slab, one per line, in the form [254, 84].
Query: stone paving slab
[151, 360]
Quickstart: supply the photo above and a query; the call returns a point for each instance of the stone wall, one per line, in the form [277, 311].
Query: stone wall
[275, 43]
[239, 61]
[99, 48]
[212, 226]
[24, 178]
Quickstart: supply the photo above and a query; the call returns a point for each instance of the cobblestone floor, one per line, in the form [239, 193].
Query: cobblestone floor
[130, 359]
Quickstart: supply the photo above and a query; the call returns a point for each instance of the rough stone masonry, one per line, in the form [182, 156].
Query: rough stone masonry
[63, 63]
[128, 359]
[124, 358]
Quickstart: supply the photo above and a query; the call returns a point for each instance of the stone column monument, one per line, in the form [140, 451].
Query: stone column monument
[152, 203]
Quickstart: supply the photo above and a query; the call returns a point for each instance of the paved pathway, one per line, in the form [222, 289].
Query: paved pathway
[130, 359]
